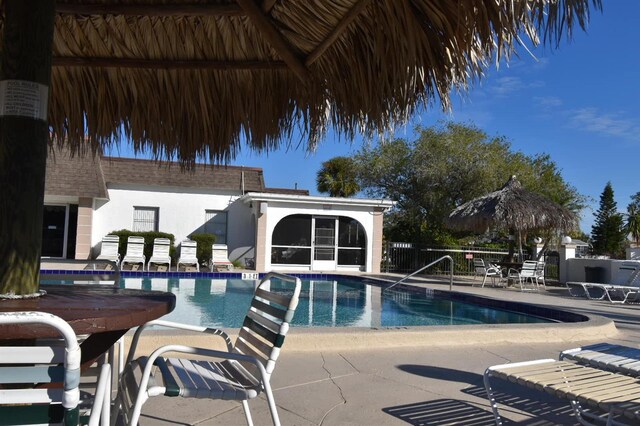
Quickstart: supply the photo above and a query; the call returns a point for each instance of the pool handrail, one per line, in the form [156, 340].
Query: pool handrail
[425, 267]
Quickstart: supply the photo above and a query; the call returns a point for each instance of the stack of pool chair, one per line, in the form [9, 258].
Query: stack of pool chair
[624, 289]
[600, 381]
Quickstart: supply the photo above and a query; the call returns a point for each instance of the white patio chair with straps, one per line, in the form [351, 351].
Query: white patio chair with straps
[47, 363]
[242, 375]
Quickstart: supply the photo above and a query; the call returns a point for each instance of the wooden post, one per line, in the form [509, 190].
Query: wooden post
[24, 85]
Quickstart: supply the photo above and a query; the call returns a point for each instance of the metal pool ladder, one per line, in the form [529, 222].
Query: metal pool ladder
[449, 258]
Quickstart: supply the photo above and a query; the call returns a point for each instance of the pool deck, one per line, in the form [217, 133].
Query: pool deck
[436, 381]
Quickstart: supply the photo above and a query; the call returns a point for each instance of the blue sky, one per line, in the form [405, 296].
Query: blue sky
[579, 103]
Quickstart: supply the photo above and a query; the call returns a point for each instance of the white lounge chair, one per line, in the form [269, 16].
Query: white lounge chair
[109, 248]
[135, 252]
[188, 250]
[220, 258]
[48, 362]
[243, 375]
[606, 356]
[487, 271]
[624, 288]
[160, 255]
[597, 396]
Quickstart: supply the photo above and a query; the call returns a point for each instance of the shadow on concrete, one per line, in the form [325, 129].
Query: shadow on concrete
[441, 373]
[441, 412]
[540, 408]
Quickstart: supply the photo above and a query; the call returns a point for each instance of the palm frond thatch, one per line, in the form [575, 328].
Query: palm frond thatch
[193, 77]
[511, 208]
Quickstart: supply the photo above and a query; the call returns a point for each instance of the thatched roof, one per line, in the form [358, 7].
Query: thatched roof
[511, 207]
[189, 77]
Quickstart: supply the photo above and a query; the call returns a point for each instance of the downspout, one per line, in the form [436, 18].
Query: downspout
[242, 179]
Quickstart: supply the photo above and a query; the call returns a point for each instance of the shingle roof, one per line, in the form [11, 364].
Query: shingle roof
[290, 191]
[170, 174]
[78, 176]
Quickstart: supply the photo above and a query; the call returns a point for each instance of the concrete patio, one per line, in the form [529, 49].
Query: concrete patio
[427, 384]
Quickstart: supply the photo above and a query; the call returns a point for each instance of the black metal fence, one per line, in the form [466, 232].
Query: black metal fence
[409, 257]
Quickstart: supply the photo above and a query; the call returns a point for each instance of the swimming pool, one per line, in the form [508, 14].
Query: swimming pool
[342, 302]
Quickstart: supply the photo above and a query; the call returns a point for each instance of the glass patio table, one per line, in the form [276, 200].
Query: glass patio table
[104, 312]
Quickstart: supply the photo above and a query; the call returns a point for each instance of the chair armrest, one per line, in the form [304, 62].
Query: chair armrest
[212, 353]
[179, 326]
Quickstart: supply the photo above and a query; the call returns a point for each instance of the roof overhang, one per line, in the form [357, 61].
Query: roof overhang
[379, 203]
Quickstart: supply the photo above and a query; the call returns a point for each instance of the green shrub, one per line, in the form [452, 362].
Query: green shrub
[124, 235]
[205, 241]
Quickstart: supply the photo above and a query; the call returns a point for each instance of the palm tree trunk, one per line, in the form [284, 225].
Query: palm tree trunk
[24, 81]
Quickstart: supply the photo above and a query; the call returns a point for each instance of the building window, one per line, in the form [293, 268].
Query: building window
[291, 241]
[352, 242]
[215, 222]
[145, 219]
[292, 245]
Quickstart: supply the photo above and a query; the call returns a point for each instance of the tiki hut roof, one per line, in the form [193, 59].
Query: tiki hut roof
[195, 77]
[511, 207]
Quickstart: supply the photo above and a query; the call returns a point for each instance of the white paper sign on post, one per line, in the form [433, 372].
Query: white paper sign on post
[21, 98]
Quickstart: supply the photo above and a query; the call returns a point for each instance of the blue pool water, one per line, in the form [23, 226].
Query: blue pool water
[328, 303]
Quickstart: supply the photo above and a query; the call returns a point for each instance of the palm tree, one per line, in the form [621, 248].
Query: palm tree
[337, 177]
[632, 225]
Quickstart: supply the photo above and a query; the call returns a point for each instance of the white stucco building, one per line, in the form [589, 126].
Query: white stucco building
[265, 228]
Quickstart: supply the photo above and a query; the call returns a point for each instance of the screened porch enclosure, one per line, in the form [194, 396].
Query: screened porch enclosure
[321, 242]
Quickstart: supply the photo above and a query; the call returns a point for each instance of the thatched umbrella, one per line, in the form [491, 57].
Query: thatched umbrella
[514, 209]
[188, 78]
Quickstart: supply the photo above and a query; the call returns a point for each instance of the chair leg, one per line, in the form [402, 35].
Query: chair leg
[247, 412]
[272, 403]
[491, 398]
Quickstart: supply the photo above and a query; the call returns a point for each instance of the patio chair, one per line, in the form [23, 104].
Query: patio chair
[188, 250]
[23, 366]
[109, 248]
[597, 396]
[135, 252]
[527, 274]
[624, 288]
[487, 271]
[219, 258]
[540, 273]
[160, 255]
[244, 373]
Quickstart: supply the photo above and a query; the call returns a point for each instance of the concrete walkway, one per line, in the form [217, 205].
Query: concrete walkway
[439, 384]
